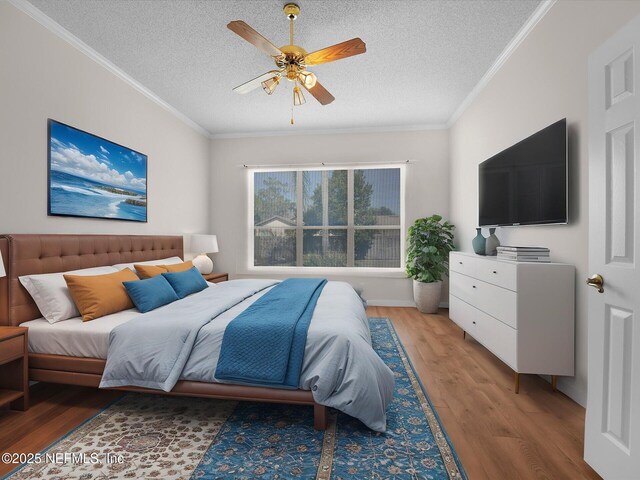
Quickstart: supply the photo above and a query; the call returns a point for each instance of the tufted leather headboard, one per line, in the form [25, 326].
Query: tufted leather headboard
[34, 254]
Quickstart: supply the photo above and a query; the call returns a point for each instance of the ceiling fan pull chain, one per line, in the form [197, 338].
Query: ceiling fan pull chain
[293, 102]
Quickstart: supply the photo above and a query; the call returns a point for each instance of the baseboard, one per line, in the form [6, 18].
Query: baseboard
[398, 303]
[567, 385]
[390, 303]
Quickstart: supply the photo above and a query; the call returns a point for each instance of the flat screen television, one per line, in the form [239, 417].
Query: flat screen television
[526, 184]
[92, 177]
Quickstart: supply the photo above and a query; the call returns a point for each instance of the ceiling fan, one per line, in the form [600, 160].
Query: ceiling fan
[292, 61]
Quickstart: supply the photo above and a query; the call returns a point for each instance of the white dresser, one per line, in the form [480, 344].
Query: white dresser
[522, 312]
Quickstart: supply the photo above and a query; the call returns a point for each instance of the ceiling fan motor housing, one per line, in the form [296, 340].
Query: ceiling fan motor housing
[292, 61]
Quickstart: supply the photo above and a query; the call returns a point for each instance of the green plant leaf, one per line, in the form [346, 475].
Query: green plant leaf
[429, 242]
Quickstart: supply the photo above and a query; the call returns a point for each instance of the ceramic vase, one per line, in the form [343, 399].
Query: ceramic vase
[492, 243]
[479, 243]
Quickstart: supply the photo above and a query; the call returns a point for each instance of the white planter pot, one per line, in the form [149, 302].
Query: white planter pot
[427, 296]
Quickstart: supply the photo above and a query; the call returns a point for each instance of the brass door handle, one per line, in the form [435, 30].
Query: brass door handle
[596, 281]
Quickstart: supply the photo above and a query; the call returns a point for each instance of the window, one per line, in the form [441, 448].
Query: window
[328, 218]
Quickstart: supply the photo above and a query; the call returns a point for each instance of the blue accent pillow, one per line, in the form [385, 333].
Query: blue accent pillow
[150, 294]
[187, 282]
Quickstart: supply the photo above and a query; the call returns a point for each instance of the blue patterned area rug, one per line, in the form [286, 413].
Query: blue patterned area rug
[148, 436]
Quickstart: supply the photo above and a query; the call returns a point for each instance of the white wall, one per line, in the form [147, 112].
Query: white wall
[42, 76]
[427, 188]
[543, 81]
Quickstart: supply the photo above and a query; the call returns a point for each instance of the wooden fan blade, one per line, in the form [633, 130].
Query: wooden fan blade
[320, 93]
[352, 47]
[254, 38]
[256, 82]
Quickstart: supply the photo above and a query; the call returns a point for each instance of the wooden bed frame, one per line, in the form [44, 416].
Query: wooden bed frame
[36, 254]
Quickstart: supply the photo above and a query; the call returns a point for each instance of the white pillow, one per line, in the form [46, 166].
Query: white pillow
[165, 261]
[51, 294]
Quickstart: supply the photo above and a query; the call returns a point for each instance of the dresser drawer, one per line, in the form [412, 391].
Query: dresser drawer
[491, 299]
[487, 269]
[463, 264]
[503, 274]
[11, 348]
[463, 314]
[497, 337]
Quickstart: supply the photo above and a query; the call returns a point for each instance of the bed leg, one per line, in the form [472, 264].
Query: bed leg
[319, 417]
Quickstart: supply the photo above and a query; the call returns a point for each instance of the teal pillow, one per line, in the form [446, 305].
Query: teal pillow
[187, 282]
[150, 294]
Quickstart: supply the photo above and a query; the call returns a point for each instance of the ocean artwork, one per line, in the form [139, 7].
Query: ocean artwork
[93, 177]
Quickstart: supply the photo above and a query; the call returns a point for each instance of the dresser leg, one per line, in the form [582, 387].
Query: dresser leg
[516, 387]
[554, 382]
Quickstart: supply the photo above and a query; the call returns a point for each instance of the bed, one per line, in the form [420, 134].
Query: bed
[75, 352]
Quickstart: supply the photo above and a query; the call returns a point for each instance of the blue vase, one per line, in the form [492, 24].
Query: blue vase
[479, 243]
[492, 243]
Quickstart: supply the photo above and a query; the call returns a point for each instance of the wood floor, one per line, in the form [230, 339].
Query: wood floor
[537, 434]
[498, 435]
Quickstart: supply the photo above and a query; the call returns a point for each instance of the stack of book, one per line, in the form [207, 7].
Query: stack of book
[524, 254]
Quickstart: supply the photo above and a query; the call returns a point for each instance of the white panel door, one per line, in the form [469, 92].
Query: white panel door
[612, 435]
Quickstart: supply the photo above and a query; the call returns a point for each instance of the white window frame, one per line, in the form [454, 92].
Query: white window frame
[393, 272]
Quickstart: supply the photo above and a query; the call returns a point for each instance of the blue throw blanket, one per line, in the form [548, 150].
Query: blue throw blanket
[264, 345]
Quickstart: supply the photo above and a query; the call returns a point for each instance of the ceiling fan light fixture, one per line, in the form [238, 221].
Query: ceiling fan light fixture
[269, 86]
[308, 79]
[298, 97]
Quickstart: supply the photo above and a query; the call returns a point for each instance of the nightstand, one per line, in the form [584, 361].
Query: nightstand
[216, 277]
[14, 368]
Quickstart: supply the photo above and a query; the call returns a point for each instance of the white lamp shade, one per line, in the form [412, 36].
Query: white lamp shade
[2, 272]
[204, 244]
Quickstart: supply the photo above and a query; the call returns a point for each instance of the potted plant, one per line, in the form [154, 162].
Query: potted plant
[428, 245]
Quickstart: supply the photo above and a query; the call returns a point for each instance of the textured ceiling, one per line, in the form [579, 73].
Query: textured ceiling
[423, 57]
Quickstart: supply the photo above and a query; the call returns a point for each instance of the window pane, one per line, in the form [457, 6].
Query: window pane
[377, 248]
[325, 248]
[274, 199]
[274, 247]
[377, 196]
[325, 197]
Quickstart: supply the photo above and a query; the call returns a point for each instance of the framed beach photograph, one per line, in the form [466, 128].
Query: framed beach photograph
[93, 177]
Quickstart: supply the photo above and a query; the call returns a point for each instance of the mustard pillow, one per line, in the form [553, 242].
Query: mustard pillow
[179, 267]
[100, 295]
[150, 271]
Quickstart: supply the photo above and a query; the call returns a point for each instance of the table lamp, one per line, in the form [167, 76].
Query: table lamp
[203, 244]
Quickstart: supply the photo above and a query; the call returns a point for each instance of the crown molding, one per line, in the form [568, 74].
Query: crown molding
[57, 29]
[511, 47]
[333, 131]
